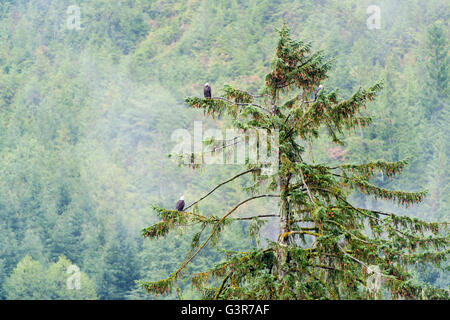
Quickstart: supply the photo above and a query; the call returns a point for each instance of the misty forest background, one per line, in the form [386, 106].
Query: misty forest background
[86, 118]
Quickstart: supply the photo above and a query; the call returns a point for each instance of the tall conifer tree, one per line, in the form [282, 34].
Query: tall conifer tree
[327, 248]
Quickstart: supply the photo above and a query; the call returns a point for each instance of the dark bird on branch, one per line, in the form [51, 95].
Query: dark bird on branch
[316, 92]
[207, 91]
[180, 204]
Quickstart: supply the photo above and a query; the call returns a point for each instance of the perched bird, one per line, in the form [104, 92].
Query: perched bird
[207, 91]
[316, 92]
[180, 204]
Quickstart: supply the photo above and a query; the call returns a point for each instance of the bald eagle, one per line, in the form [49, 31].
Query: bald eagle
[207, 91]
[180, 204]
[316, 92]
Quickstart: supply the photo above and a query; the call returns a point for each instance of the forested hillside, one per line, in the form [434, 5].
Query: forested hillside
[87, 115]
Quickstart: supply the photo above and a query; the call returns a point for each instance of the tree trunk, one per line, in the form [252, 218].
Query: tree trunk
[285, 218]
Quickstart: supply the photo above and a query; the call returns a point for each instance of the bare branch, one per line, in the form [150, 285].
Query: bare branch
[218, 186]
[286, 234]
[306, 186]
[222, 285]
[240, 104]
[225, 146]
[260, 96]
[260, 216]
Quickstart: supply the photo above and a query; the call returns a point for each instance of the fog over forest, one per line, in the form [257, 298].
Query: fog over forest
[92, 92]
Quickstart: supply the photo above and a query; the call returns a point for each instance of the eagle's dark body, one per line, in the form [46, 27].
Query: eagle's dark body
[180, 205]
[207, 91]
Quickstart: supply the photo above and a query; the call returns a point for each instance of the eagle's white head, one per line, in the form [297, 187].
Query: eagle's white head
[207, 84]
[182, 198]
